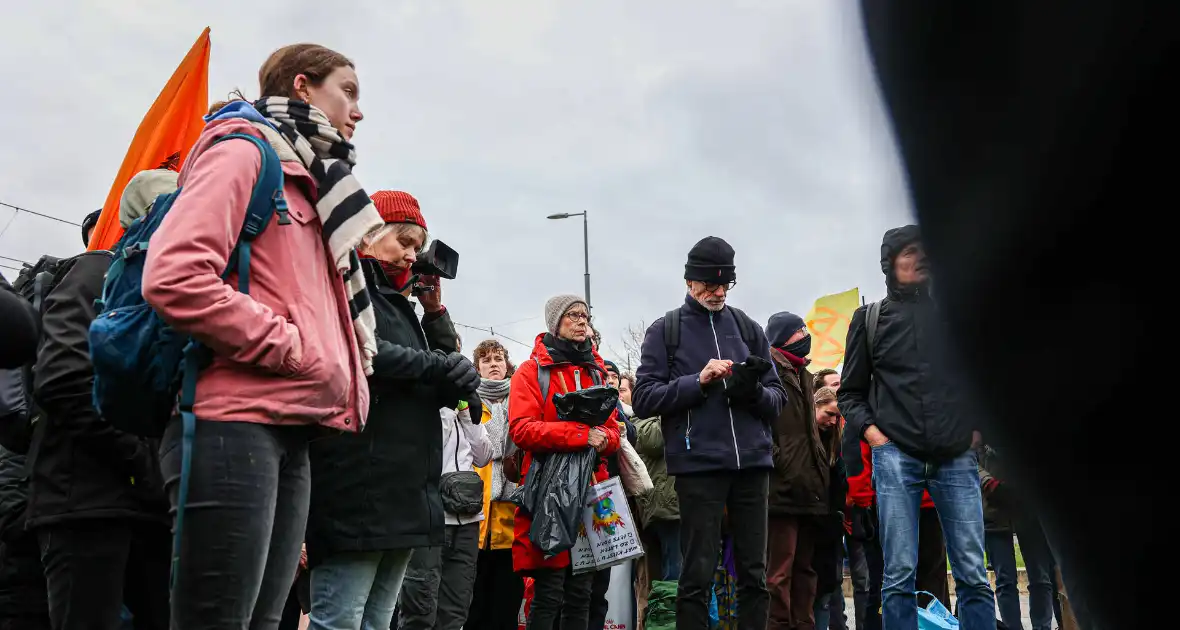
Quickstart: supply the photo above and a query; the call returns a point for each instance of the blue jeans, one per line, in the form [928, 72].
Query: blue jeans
[668, 533]
[954, 486]
[357, 589]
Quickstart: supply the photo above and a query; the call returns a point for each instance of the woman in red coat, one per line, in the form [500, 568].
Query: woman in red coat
[568, 356]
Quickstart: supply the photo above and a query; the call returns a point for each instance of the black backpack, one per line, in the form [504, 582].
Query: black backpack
[672, 333]
[18, 413]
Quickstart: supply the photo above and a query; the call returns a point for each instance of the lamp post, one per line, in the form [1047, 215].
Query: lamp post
[585, 246]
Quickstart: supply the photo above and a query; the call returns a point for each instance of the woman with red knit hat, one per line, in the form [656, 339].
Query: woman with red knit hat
[375, 494]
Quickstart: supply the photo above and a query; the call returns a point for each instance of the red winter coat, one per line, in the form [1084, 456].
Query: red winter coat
[860, 487]
[534, 428]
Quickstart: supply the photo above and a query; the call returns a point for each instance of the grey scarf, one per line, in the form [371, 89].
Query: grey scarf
[495, 397]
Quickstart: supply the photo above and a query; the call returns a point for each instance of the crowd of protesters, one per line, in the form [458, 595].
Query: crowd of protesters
[353, 464]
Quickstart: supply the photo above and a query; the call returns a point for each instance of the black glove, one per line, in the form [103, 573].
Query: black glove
[475, 408]
[461, 374]
[745, 384]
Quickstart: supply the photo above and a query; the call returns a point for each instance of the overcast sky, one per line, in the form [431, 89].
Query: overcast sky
[666, 120]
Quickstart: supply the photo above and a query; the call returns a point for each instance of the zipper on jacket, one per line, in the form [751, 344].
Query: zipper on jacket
[458, 518]
[687, 443]
[732, 431]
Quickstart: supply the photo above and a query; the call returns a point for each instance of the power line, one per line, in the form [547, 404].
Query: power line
[10, 267]
[46, 216]
[494, 334]
[16, 260]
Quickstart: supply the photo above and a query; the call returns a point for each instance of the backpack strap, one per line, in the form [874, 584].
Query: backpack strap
[672, 335]
[543, 381]
[748, 330]
[266, 198]
[872, 315]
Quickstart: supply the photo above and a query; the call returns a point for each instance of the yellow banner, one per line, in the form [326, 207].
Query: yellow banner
[828, 323]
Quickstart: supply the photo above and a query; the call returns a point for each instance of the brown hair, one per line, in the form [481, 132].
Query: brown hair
[630, 378]
[487, 347]
[818, 380]
[823, 396]
[277, 75]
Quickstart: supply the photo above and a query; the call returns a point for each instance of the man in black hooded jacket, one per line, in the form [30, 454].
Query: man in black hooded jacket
[96, 497]
[897, 394]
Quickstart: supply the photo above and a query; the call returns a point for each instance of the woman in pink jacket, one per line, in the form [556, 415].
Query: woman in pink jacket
[289, 359]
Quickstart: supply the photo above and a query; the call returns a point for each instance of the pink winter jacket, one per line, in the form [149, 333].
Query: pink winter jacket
[285, 353]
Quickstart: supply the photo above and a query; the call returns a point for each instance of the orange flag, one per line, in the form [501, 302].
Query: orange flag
[165, 136]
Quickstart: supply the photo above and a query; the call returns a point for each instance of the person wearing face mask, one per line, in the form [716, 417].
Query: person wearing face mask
[899, 395]
[565, 351]
[375, 495]
[707, 371]
[799, 483]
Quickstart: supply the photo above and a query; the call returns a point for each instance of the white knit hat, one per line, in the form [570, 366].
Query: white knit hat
[141, 192]
[556, 308]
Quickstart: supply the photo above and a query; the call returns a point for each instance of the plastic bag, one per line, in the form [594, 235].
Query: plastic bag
[632, 470]
[553, 493]
[935, 616]
[592, 406]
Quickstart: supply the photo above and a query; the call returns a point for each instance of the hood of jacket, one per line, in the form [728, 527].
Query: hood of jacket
[892, 243]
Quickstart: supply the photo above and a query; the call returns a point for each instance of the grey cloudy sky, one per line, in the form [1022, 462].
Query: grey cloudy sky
[668, 120]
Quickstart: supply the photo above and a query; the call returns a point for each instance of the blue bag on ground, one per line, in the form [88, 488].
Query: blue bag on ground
[935, 616]
[555, 494]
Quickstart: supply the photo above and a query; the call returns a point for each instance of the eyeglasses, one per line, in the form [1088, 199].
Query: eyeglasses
[578, 317]
[712, 288]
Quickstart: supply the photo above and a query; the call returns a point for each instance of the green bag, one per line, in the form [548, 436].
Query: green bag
[661, 606]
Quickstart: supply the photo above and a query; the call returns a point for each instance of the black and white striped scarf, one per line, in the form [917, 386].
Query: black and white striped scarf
[344, 207]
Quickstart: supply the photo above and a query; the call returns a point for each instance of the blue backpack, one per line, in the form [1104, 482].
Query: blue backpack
[140, 363]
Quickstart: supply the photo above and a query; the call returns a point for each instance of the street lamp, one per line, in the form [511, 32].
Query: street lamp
[585, 246]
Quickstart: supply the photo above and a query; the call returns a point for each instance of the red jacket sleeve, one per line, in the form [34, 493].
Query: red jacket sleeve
[526, 418]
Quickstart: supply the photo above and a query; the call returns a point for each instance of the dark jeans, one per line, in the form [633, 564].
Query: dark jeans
[829, 607]
[790, 577]
[704, 499]
[560, 600]
[668, 535]
[24, 602]
[436, 592]
[598, 604]
[95, 566]
[498, 592]
[298, 602]
[867, 566]
[244, 521]
[1038, 563]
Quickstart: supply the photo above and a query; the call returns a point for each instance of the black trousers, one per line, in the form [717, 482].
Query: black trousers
[560, 600]
[95, 566]
[598, 603]
[24, 603]
[498, 592]
[706, 498]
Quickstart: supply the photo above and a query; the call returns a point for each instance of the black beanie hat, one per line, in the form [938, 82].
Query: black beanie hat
[90, 221]
[781, 326]
[710, 260]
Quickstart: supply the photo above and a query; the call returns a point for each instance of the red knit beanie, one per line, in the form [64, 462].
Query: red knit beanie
[396, 206]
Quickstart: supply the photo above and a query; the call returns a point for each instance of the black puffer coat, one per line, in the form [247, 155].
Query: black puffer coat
[82, 466]
[903, 384]
[378, 489]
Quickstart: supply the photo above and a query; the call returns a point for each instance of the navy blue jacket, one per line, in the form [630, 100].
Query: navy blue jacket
[702, 431]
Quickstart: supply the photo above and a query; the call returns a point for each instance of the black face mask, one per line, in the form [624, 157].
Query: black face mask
[800, 348]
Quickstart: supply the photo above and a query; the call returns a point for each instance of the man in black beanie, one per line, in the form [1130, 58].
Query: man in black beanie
[88, 225]
[898, 394]
[706, 370]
